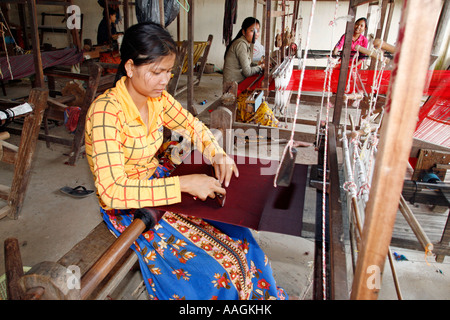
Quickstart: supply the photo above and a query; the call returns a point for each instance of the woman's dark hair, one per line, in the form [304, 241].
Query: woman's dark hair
[145, 43]
[362, 19]
[247, 23]
[111, 11]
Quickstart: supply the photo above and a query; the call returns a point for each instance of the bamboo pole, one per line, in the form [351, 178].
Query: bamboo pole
[372, 54]
[377, 43]
[405, 92]
[415, 226]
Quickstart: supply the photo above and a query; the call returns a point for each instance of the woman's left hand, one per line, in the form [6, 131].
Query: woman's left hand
[224, 168]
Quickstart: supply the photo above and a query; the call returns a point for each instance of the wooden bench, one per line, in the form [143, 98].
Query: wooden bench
[100, 261]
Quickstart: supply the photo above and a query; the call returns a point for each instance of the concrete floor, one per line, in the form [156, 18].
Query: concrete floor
[51, 223]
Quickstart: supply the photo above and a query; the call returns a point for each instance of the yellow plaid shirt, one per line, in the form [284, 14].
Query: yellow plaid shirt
[122, 156]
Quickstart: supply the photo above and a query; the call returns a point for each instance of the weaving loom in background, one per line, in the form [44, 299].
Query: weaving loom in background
[313, 82]
[434, 116]
[23, 65]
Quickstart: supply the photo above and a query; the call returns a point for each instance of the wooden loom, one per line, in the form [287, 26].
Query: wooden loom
[395, 145]
[57, 105]
[22, 156]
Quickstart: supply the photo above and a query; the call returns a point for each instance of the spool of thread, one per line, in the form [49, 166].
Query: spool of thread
[203, 102]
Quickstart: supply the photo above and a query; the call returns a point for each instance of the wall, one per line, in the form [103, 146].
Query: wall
[208, 19]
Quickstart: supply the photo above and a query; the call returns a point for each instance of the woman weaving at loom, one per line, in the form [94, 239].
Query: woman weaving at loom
[239, 65]
[239, 56]
[181, 257]
[358, 37]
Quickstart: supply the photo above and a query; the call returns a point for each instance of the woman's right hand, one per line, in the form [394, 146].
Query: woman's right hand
[201, 186]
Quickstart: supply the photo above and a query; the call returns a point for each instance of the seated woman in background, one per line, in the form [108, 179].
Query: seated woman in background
[238, 63]
[102, 32]
[181, 257]
[358, 37]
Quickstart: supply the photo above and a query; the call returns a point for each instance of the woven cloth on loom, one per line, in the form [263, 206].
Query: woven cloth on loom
[23, 65]
[434, 116]
[251, 201]
[313, 81]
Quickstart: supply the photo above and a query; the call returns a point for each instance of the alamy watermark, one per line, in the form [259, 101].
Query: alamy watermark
[373, 281]
[73, 278]
[251, 146]
[74, 17]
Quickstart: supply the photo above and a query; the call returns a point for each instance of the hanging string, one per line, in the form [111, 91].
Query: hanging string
[16, 46]
[290, 143]
[331, 63]
[2, 30]
[187, 8]
[324, 269]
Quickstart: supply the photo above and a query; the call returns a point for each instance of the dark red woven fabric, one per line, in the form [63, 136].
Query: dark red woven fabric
[251, 201]
[23, 65]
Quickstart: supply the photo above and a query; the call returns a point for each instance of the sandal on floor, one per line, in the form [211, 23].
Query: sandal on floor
[77, 192]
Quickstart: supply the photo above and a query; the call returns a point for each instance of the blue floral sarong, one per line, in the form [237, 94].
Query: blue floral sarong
[185, 257]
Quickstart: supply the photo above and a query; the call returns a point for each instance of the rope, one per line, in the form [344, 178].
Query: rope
[290, 143]
[18, 48]
[329, 71]
[2, 26]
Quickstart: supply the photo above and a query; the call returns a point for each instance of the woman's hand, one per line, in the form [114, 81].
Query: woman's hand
[224, 167]
[201, 186]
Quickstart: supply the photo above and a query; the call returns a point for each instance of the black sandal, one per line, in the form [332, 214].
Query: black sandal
[77, 192]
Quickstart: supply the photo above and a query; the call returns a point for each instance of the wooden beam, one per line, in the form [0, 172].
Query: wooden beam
[338, 273]
[265, 83]
[356, 3]
[95, 72]
[13, 268]
[22, 170]
[162, 21]
[345, 61]
[108, 260]
[190, 55]
[417, 25]
[39, 78]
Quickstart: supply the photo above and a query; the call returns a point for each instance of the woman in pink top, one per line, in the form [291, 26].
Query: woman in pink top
[358, 37]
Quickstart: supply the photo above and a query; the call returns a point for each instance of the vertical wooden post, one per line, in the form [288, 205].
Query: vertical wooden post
[13, 268]
[379, 32]
[439, 37]
[415, 39]
[338, 272]
[222, 119]
[76, 37]
[345, 61]
[23, 24]
[108, 22]
[267, 48]
[162, 21]
[190, 53]
[126, 15]
[39, 80]
[30, 132]
[95, 71]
